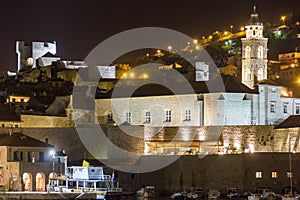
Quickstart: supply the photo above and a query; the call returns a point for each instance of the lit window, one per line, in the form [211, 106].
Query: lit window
[289, 174]
[260, 52]
[284, 108]
[260, 74]
[147, 117]
[247, 52]
[110, 117]
[248, 74]
[168, 116]
[274, 174]
[188, 116]
[272, 108]
[258, 175]
[128, 117]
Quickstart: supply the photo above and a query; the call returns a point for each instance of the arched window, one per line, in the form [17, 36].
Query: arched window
[260, 52]
[40, 181]
[27, 180]
[248, 52]
[260, 74]
[248, 74]
[52, 175]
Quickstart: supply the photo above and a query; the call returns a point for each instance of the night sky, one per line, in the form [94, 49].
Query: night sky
[79, 25]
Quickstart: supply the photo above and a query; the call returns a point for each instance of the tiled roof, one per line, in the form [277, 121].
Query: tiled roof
[292, 121]
[19, 139]
[7, 115]
[268, 82]
[225, 84]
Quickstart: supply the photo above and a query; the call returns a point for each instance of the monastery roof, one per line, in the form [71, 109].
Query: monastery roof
[216, 85]
[9, 116]
[19, 139]
[292, 121]
[268, 82]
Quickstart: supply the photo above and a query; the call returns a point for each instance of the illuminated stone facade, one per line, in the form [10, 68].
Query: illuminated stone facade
[270, 106]
[254, 52]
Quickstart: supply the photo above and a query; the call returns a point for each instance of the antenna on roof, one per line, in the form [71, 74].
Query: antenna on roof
[10, 130]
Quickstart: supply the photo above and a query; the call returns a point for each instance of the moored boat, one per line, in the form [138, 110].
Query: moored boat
[79, 179]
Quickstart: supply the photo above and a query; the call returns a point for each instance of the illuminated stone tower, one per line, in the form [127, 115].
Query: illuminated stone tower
[254, 52]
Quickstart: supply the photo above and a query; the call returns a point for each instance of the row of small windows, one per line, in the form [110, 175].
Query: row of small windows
[168, 116]
[28, 156]
[289, 73]
[3, 125]
[285, 108]
[256, 28]
[274, 174]
[260, 52]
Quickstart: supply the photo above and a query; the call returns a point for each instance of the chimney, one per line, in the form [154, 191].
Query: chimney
[46, 140]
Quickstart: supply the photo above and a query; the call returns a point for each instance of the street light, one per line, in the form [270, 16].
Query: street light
[231, 27]
[283, 19]
[169, 48]
[52, 153]
[242, 28]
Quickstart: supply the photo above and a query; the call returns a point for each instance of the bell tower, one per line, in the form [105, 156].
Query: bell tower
[254, 52]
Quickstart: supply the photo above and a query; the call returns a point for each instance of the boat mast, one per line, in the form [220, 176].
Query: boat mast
[290, 163]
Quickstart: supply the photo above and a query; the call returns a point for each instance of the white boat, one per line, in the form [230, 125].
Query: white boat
[213, 194]
[177, 196]
[146, 192]
[289, 197]
[232, 193]
[79, 179]
[191, 195]
[254, 197]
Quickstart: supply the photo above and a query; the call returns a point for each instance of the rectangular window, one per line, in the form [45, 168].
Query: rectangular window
[168, 116]
[110, 117]
[289, 174]
[258, 175]
[273, 90]
[188, 116]
[297, 111]
[284, 108]
[18, 156]
[147, 117]
[274, 174]
[128, 117]
[41, 156]
[272, 108]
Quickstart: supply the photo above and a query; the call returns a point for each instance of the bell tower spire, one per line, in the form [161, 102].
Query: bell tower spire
[254, 52]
